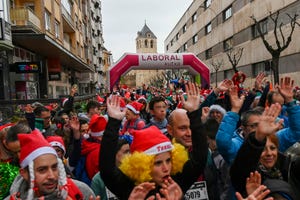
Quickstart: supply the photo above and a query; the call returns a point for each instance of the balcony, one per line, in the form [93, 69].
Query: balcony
[24, 20]
[68, 22]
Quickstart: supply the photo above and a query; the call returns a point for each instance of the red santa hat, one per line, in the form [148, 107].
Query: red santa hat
[64, 100]
[57, 141]
[142, 98]
[33, 145]
[122, 104]
[8, 125]
[97, 125]
[135, 107]
[150, 141]
[100, 99]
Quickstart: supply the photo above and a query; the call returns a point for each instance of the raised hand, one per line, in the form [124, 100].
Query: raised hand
[286, 89]
[253, 182]
[140, 191]
[171, 190]
[113, 108]
[259, 194]
[258, 80]
[225, 85]
[74, 124]
[193, 97]
[267, 124]
[236, 101]
[205, 112]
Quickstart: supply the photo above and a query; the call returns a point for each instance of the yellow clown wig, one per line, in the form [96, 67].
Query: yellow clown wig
[146, 144]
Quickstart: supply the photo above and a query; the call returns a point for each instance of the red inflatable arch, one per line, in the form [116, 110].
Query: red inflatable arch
[130, 61]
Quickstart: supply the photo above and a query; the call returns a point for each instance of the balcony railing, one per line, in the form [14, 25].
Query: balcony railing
[24, 17]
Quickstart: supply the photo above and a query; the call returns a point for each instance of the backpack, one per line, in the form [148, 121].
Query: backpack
[80, 171]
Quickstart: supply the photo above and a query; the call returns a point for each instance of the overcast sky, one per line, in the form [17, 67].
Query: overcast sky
[122, 19]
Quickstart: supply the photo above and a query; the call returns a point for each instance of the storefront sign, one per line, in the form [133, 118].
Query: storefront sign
[28, 67]
[54, 76]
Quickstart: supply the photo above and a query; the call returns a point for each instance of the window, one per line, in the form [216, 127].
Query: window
[227, 13]
[146, 43]
[208, 54]
[172, 42]
[208, 28]
[167, 47]
[177, 36]
[67, 5]
[47, 21]
[228, 44]
[151, 43]
[185, 47]
[194, 17]
[184, 28]
[257, 68]
[195, 39]
[57, 29]
[263, 27]
[207, 3]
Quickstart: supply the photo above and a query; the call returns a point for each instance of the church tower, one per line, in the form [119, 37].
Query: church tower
[146, 41]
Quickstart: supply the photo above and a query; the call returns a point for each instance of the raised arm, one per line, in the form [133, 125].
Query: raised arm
[288, 136]
[113, 178]
[225, 144]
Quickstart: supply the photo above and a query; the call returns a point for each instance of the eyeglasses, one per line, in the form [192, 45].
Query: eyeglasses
[253, 125]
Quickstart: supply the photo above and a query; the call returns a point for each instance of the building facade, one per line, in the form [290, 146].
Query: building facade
[55, 44]
[210, 29]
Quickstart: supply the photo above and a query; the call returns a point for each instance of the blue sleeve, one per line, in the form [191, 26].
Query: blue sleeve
[227, 145]
[288, 136]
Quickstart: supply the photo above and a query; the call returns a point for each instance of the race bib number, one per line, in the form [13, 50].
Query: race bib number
[110, 195]
[197, 191]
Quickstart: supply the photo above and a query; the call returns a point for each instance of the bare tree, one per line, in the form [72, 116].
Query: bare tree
[217, 64]
[234, 57]
[282, 40]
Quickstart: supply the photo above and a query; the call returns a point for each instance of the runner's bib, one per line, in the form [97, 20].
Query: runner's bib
[198, 191]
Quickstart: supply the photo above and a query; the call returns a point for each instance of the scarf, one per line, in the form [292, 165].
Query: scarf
[273, 173]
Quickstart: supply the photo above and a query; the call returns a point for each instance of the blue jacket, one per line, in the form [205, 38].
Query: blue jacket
[229, 141]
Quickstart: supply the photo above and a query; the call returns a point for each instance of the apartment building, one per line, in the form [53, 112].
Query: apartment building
[56, 43]
[212, 28]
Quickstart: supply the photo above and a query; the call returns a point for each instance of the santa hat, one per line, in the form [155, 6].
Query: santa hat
[122, 104]
[64, 100]
[135, 107]
[217, 108]
[97, 125]
[150, 141]
[33, 145]
[57, 141]
[142, 98]
[6, 126]
[100, 99]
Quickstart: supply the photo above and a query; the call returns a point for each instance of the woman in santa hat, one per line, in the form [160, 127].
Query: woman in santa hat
[154, 157]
